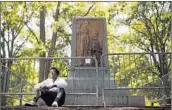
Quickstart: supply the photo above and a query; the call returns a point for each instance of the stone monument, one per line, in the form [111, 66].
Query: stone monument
[84, 84]
[89, 39]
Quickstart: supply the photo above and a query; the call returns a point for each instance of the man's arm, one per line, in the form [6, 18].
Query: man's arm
[51, 86]
[61, 83]
[40, 85]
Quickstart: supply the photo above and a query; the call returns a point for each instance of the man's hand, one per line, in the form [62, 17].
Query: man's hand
[44, 89]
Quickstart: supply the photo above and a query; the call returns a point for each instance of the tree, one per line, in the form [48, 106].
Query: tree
[21, 24]
[13, 26]
[149, 24]
[42, 37]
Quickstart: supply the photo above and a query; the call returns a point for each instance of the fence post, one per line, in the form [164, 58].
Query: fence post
[171, 52]
[21, 96]
[0, 59]
[102, 70]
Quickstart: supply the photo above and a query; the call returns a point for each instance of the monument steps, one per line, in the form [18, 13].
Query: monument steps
[83, 99]
[86, 81]
[92, 99]
[89, 84]
[84, 92]
[82, 89]
[89, 72]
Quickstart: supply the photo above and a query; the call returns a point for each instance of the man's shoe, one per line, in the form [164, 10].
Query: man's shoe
[31, 103]
[55, 104]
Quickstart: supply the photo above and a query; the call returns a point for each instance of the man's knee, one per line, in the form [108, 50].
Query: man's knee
[37, 95]
[60, 93]
[38, 92]
[61, 90]
[61, 96]
[41, 102]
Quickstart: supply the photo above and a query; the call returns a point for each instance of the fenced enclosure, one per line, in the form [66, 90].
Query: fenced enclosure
[132, 79]
[19, 75]
[143, 75]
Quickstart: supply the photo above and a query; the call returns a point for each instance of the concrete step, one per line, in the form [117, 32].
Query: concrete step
[110, 101]
[109, 92]
[92, 99]
[81, 90]
[116, 92]
[125, 101]
[111, 96]
[83, 99]
[81, 83]
[89, 72]
[77, 83]
[136, 100]
[122, 97]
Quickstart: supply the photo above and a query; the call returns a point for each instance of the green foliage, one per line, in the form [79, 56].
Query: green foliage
[148, 23]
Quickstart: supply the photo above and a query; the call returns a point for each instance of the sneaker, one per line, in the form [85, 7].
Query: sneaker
[31, 103]
[55, 104]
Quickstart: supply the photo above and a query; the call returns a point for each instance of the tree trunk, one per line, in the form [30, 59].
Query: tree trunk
[42, 37]
[164, 76]
[53, 41]
[6, 81]
[166, 91]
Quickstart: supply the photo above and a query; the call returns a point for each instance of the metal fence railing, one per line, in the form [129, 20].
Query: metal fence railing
[19, 75]
[139, 78]
[143, 76]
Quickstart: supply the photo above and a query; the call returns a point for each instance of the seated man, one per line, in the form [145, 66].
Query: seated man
[51, 91]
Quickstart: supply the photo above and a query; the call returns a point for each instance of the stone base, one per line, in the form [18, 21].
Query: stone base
[87, 85]
[111, 99]
[85, 88]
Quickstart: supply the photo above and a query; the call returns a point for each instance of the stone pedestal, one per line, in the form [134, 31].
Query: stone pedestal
[85, 88]
[86, 85]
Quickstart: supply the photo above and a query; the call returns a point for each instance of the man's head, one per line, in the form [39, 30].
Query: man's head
[54, 73]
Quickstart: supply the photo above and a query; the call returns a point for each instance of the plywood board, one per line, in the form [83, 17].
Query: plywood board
[89, 39]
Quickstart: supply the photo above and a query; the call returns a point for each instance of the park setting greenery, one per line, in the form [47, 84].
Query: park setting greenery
[44, 29]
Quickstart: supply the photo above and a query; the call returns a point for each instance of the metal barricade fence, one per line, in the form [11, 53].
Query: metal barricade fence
[19, 75]
[138, 77]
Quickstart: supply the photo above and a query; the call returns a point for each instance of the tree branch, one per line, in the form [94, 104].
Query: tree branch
[57, 11]
[135, 29]
[33, 33]
[25, 23]
[3, 42]
[89, 9]
[20, 46]
[169, 64]
[155, 73]
[8, 42]
[168, 33]
[156, 62]
[156, 21]
[12, 42]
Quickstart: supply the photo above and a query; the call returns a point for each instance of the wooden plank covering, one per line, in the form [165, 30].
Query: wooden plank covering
[87, 31]
[89, 39]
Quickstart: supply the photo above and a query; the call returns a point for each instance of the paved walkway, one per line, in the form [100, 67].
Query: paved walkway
[84, 108]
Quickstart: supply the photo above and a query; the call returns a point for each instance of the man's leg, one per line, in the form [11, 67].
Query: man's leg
[37, 95]
[41, 102]
[49, 97]
[60, 98]
[35, 99]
